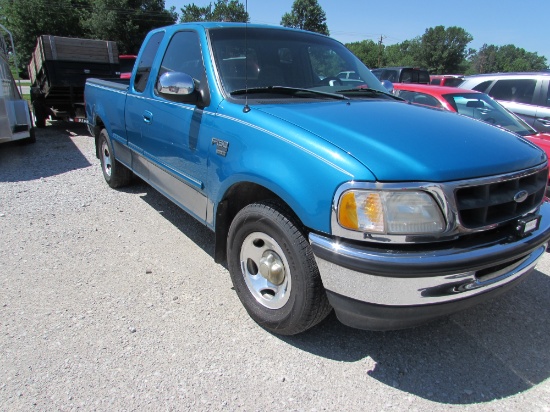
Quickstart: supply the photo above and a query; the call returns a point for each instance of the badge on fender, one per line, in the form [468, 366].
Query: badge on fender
[221, 146]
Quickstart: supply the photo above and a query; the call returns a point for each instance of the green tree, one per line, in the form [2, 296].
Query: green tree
[402, 54]
[126, 21]
[508, 58]
[367, 51]
[222, 10]
[28, 19]
[444, 50]
[306, 15]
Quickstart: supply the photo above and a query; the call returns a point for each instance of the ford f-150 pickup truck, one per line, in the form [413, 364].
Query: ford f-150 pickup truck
[322, 194]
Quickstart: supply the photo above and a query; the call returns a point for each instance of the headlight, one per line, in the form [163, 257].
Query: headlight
[397, 213]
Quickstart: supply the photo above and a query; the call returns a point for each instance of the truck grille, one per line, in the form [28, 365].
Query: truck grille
[492, 203]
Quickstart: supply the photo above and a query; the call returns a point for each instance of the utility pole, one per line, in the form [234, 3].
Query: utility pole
[380, 49]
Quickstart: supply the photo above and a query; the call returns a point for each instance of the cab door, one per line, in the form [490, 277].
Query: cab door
[136, 93]
[171, 130]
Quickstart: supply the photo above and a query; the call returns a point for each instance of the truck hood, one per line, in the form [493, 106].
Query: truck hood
[397, 141]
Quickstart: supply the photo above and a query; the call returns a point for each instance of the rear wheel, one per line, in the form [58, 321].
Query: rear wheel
[31, 139]
[115, 174]
[39, 111]
[273, 269]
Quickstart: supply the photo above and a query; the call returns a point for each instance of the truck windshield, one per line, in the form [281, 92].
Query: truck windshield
[261, 58]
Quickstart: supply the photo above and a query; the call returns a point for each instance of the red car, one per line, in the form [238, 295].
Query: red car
[452, 80]
[126, 65]
[472, 104]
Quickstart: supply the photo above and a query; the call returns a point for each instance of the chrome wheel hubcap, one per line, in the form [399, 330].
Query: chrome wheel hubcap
[265, 270]
[106, 157]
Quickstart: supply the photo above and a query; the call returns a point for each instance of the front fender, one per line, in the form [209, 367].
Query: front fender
[299, 167]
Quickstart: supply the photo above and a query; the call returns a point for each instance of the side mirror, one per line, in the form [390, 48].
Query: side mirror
[175, 84]
[388, 85]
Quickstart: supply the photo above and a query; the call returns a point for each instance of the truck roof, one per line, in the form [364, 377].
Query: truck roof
[216, 25]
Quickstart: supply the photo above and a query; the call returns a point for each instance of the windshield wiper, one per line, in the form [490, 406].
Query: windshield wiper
[292, 91]
[369, 90]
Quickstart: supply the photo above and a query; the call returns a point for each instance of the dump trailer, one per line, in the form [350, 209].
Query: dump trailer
[58, 71]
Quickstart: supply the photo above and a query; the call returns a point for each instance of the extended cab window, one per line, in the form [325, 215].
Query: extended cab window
[146, 61]
[183, 55]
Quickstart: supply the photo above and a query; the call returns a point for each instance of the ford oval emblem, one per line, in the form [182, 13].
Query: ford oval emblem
[521, 196]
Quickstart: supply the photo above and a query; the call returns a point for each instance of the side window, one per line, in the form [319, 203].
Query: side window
[423, 77]
[391, 75]
[481, 87]
[146, 61]
[405, 94]
[420, 98]
[548, 96]
[520, 91]
[426, 100]
[183, 55]
[407, 76]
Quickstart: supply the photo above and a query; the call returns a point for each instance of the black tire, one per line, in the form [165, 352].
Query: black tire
[115, 174]
[39, 114]
[265, 242]
[31, 139]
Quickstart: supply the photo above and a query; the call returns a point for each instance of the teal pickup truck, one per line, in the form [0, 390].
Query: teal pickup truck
[323, 193]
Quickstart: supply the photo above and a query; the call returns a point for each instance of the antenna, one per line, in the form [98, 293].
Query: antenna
[246, 108]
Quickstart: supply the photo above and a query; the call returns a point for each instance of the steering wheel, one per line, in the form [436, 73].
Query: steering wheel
[327, 81]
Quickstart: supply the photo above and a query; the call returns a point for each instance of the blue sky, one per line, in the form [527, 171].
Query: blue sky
[523, 23]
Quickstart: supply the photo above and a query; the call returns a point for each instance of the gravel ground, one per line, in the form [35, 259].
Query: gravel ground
[110, 300]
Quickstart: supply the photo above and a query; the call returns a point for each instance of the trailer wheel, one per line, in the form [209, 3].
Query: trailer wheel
[29, 140]
[115, 174]
[273, 269]
[32, 136]
[39, 114]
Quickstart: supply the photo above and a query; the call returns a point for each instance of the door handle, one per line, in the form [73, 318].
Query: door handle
[147, 117]
[545, 121]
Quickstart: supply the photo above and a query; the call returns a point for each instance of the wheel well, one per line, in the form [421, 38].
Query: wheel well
[98, 126]
[237, 197]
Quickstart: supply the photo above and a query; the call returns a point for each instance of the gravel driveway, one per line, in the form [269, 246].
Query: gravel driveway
[111, 301]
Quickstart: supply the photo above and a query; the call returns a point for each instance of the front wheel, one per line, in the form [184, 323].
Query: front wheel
[273, 269]
[115, 174]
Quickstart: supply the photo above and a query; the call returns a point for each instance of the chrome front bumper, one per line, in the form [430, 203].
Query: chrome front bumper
[442, 278]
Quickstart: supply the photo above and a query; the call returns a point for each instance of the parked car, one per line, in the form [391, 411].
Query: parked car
[473, 104]
[451, 80]
[402, 74]
[525, 94]
[350, 74]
